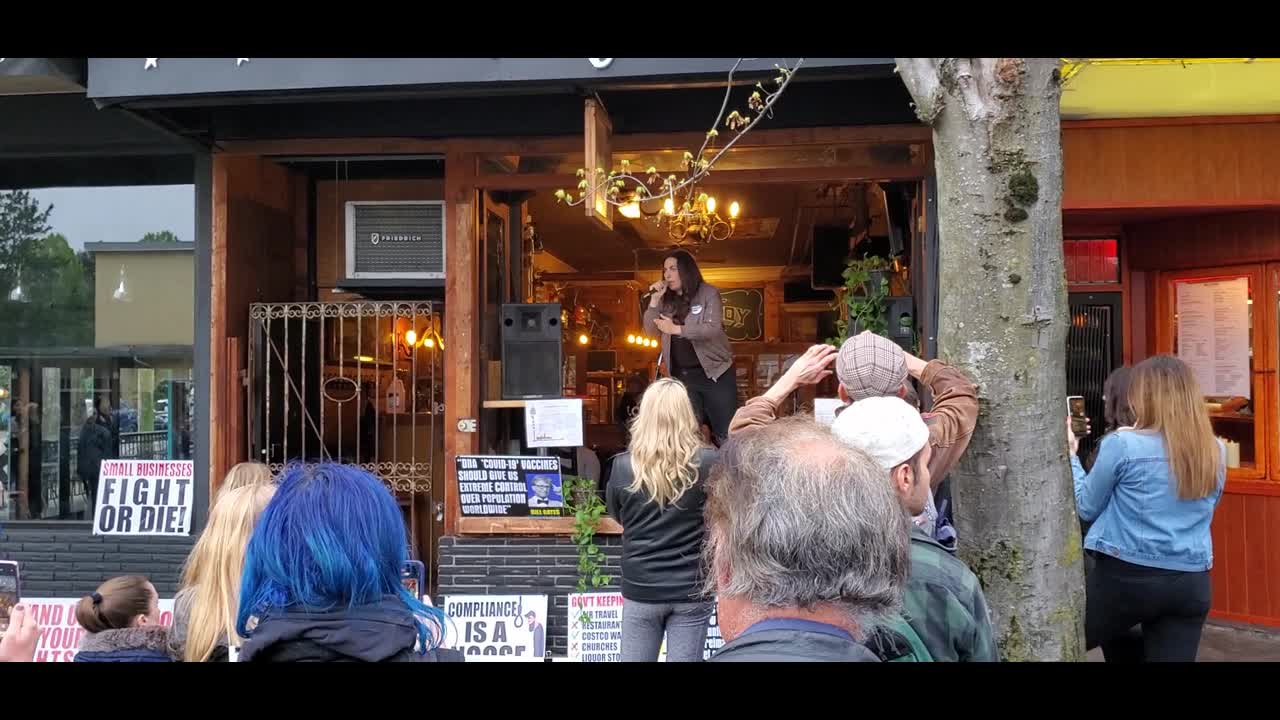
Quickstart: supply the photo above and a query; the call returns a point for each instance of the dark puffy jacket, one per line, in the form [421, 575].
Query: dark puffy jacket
[379, 632]
[146, 643]
[661, 547]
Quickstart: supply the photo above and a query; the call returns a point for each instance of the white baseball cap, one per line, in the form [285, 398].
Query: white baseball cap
[886, 428]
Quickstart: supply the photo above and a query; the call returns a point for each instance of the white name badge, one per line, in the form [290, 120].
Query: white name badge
[696, 309]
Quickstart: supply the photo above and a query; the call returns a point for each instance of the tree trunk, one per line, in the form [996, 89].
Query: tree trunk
[1003, 319]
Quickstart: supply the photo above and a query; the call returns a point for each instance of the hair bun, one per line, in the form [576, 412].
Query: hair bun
[97, 598]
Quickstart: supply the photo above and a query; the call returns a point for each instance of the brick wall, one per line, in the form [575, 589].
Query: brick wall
[65, 559]
[532, 565]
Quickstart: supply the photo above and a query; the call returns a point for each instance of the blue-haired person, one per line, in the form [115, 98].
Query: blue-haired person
[321, 578]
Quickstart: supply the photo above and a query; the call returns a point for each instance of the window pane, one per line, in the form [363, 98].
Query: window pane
[97, 319]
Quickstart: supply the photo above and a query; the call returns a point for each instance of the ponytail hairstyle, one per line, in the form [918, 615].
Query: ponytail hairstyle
[116, 604]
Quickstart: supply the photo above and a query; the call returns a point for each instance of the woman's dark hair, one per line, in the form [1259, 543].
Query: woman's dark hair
[115, 604]
[1116, 410]
[1115, 398]
[676, 305]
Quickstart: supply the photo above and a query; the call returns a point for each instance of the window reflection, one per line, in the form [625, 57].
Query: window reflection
[96, 331]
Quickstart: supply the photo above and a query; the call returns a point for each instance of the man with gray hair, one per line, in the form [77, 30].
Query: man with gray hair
[807, 545]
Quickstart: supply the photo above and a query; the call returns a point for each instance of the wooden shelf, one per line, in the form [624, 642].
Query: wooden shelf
[523, 403]
[1231, 416]
[505, 403]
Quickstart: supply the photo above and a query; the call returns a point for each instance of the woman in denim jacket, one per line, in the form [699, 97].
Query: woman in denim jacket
[1150, 496]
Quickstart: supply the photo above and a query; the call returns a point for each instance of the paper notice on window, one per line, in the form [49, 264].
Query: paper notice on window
[553, 423]
[824, 410]
[1213, 334]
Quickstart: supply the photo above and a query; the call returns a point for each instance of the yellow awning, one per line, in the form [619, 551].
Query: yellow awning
[1169, 87]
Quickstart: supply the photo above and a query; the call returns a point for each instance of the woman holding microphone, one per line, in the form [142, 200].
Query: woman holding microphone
[695, 348]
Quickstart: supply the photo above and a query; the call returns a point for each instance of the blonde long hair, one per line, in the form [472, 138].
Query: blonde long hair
[665, 439]
[1166, 398]
[243, 475]
[212, 571]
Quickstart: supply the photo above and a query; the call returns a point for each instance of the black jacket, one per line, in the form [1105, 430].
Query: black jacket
[379, 632]
[661, 547]
[96, 443]
[792, 646]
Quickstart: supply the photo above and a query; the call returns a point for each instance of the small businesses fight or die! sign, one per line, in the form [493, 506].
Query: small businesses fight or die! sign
[144, 497]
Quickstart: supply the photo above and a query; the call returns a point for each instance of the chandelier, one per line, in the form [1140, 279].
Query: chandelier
[696, 220]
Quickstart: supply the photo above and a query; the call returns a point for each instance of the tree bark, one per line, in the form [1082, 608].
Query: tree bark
[1003, 319]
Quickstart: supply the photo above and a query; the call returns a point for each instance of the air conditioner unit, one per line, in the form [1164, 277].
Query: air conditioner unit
[395, 240]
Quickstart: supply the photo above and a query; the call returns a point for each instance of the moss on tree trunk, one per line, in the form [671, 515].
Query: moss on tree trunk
[1003, 319]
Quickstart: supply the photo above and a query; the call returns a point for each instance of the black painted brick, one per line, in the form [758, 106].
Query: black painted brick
[510, 565]
[70, 561]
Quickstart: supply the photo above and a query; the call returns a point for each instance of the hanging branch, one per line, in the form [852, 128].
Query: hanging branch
[611, 183]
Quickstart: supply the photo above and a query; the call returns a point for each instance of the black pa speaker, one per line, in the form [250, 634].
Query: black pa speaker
[531, 351]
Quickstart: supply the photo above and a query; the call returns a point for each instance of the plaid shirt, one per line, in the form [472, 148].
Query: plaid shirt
[945, 605]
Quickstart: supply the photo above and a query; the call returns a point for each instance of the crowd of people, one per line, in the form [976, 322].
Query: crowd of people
[809, 542]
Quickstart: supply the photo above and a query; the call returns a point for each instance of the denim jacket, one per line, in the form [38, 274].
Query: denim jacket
[1130, 497]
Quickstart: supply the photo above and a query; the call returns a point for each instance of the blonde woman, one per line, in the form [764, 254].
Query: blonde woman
[204, 617]
[245, 474]
[656, 493]
[1150, 495]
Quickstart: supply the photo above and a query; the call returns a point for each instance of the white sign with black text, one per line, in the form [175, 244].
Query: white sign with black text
[553, 423]
[144, 497]
[497, 628]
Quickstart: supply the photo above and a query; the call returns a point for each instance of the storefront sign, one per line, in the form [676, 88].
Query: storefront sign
[599, 157]
[144, 497]
[743, 313]
[553, 423]
[599, 639]
[497, 628]
[60, 634]
[509, 486]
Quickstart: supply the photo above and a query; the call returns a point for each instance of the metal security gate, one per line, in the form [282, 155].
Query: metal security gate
[351, 382]
[1093, 351]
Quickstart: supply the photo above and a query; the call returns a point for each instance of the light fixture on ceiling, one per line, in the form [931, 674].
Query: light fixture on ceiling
[630, 210]
[700, 220]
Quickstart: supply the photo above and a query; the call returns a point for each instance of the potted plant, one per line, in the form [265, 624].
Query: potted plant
[861, 302]
[584, 503]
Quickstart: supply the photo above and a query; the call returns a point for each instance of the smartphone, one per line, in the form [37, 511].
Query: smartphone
[1079, 419]
[414, 577]
[10, 591]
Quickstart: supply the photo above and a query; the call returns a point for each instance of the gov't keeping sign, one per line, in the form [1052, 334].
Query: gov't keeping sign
[599, 638]
[510, 486]
[144, 497]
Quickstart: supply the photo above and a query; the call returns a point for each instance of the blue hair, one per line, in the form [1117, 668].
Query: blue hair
[332, 537]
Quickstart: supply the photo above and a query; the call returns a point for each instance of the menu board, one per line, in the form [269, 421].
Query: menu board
[1213, 334]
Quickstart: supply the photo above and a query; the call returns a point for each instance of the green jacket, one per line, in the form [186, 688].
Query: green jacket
[944, 603]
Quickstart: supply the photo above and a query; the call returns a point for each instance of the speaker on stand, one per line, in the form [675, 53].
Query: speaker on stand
[531, 351]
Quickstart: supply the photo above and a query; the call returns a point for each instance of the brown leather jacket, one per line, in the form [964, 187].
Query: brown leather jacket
[950, 422]
[704, 328]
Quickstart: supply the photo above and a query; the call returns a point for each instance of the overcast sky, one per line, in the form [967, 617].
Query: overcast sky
[120, 214]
